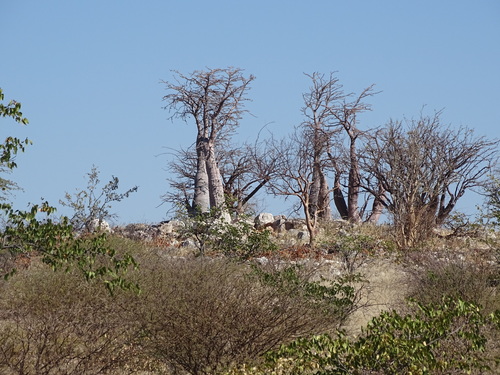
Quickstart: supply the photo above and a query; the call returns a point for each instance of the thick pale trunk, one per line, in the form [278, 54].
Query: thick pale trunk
[215, 180]
[310, 223]
[378, 206]
[324, 199]
[313, 207]
[377, 210]
[201, 184]
[319, 199]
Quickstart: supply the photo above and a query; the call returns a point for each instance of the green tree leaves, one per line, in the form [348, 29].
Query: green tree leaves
[58, 246]
[55, 241]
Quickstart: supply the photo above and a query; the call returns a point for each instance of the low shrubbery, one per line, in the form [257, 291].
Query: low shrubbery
[53, 323]
[204, 315]
[444, 338]
[195, 315]
[433, 277]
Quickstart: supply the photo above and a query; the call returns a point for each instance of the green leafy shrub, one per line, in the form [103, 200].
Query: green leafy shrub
[336, 298]
[353, 250]
[439, 338]
[241, 240]
[58, 246]
[212, 232]
[24, 234]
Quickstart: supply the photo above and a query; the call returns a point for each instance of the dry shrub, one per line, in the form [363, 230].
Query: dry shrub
[56, 323]
[434, 276]
[202, 315]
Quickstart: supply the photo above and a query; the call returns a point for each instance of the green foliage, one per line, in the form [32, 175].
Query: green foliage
[91, 206]
[439, 338]
[58, 246]
[241, 240]
[212, 231]
[55, 242]
[11, 146]
[12, 109]
[353, 249]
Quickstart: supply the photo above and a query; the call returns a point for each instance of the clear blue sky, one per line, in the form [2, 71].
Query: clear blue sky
[88, 75]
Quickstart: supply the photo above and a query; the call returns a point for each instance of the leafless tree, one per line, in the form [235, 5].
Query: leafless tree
[244, 172]
[214, 99]
[345, 114]
[424, 168]
[319, 104]
[182, 166]
[294, 175]
[331, 120]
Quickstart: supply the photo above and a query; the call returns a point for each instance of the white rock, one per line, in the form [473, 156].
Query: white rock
[263, 218]
[97, 225]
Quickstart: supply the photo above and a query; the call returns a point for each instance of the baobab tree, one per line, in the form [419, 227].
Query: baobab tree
[214, 99]
[318, 122]
[346, 119]
[332, 127]
[244, 172]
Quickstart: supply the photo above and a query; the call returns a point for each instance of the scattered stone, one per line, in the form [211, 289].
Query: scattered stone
[97, 225]
[263, 219]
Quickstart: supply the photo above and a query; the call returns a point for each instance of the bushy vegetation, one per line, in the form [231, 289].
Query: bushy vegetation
[53, 323]
[444, 338]
[197, 315]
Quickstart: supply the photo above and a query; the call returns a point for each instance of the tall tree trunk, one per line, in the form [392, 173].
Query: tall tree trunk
[201, 183]
[311, 223]
[215, 183]
[324, 199]
[377, 207]
[338, 198]
[319, 199]
[314, 190]
[353, 191]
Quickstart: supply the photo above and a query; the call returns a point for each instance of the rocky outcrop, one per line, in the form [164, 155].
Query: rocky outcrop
[292, 230]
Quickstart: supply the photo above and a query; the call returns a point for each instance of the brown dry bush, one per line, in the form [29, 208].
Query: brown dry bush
[56, 323]
[203, 315]
[434, 276]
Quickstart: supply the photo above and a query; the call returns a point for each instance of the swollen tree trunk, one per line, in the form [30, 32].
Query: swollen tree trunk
[201, 183]
[313, 206]
[377, 209]
[215, 181]
[319, 202]
[311, 221]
